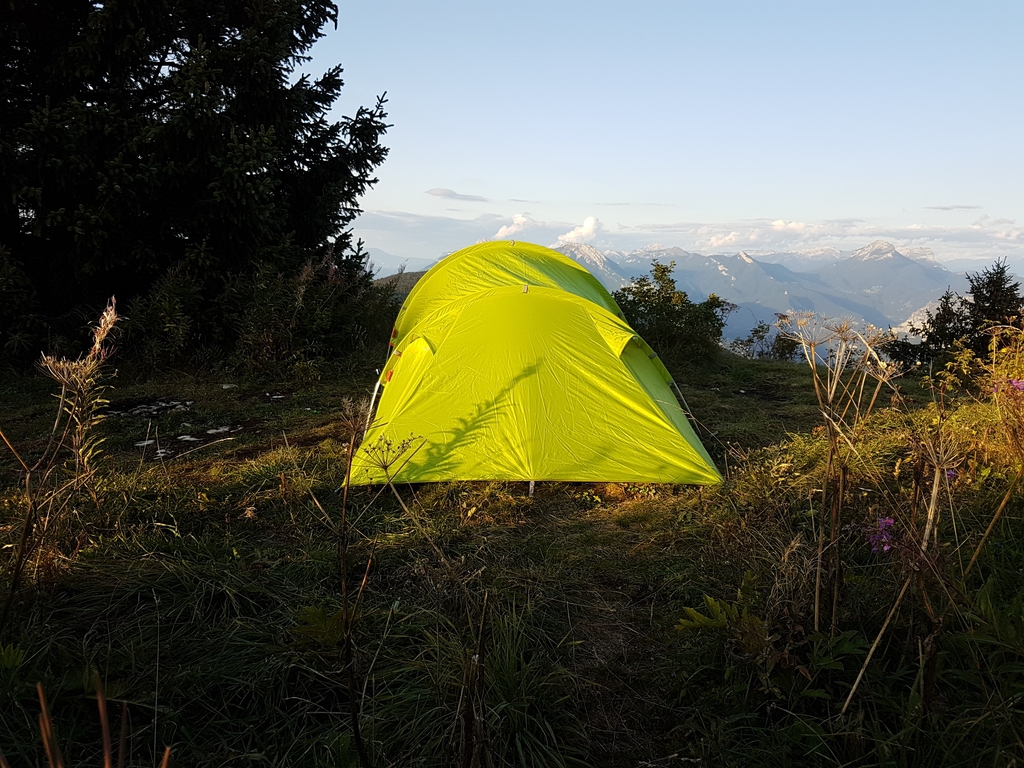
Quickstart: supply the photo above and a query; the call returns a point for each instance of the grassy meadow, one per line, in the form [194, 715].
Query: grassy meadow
[194, 549]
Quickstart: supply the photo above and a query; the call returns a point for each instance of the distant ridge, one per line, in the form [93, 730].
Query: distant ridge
[877, 284]
[403, 282]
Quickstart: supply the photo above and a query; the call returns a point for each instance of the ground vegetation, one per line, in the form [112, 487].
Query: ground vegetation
[850, 595]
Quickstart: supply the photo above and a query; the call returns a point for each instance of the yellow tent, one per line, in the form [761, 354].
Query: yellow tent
[525, 381]
[492, 265]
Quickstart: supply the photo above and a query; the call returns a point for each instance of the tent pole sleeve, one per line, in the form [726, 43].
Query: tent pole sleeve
[682, 399]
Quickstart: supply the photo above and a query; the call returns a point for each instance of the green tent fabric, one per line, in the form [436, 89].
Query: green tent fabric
[492, 265]
[527, 382]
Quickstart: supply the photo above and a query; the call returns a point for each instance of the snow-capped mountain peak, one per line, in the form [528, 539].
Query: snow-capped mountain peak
[880, 249]
[582, 252]
[603, 268]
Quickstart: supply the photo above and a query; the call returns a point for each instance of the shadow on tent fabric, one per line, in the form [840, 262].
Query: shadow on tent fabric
[442, 458]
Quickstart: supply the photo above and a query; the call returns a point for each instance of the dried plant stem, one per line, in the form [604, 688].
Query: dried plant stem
[933, 508]
[474, 722]
[53, 753]
[995, 519]
[101, 702]
[46, 492]
[874, 645]
[839, 495]
[122, 741]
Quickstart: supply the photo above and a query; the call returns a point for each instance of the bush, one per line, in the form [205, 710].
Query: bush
[326, 310]
[763, 344]
[667, 319]
[261, 319]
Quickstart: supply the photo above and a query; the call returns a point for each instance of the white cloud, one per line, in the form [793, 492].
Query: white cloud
[519, 222]
[584, 233]
[415, 236]
[792, 226]
[724, 238]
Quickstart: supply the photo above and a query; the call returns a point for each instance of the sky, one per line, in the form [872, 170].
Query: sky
[716, 126]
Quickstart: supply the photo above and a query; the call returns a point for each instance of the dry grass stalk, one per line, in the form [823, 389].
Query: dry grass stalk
[54, 756]
[51, 483]
[874, 645]
[843, 362]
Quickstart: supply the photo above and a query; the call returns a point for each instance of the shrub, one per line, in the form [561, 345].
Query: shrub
[763, 344]
[262, 318]
[326, 310]
[993, 299]
[667, 319]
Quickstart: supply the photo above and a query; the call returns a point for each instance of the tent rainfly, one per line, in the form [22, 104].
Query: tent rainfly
[511, 361]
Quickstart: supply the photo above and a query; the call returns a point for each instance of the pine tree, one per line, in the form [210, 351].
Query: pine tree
[942, 328]
[995, 299]
[137, 135]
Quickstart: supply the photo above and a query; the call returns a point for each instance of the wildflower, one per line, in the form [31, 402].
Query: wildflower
[881, 538]
[951, 473]
[1017, 384]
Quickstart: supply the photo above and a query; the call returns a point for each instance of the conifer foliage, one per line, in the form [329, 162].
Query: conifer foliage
[138, 136]
[993, 298]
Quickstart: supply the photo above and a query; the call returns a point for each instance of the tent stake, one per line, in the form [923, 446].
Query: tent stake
[531, 489]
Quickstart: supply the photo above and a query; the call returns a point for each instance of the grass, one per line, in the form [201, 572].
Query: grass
[206, 590]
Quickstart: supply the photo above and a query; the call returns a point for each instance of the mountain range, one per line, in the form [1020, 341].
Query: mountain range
[877, 284]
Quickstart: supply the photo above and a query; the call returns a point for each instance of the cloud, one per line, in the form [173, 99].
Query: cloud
[718, 240]
[451, 194]
[584, 233]
[415, 236]
[793, 226]
[519, 222]
[952, 207]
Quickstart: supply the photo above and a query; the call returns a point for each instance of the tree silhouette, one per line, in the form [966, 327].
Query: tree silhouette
[136, 135]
